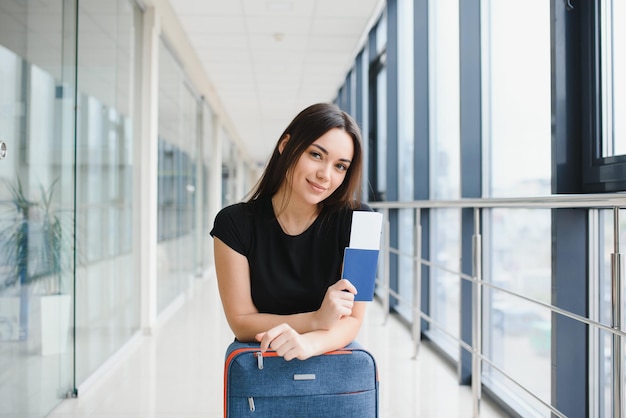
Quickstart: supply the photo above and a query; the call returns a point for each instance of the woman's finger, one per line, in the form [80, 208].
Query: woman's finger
[344, 284]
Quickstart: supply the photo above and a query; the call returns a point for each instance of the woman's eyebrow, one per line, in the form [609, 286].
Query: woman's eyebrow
[321, 148]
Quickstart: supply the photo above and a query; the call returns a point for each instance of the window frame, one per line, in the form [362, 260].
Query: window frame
[599, 174]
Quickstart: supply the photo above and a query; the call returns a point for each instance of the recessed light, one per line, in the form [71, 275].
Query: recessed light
[279, 6]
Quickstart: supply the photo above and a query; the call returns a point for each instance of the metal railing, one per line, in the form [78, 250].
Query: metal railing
[590, 201]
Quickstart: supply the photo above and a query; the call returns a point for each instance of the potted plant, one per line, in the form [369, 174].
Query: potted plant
[35, 254]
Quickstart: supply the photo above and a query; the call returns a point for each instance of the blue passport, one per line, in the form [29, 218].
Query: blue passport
[359, 267]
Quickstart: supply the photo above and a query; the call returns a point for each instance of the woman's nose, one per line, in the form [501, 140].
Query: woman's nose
[324, 172]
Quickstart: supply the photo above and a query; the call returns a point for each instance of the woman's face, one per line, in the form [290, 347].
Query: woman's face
[322, 167]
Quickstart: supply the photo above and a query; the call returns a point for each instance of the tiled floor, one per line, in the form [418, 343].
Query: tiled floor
[178, 373]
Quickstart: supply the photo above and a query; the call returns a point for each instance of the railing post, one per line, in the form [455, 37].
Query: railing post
[417, 283]
[477, 315]
[616, 306]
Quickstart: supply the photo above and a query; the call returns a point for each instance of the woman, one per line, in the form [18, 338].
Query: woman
[278, 256]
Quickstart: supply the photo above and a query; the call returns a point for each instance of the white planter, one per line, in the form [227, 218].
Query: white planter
[55, 323]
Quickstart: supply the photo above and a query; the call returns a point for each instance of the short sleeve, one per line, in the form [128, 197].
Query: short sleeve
[230, 227]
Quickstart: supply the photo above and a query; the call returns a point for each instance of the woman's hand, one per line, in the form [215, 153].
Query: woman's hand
[337, 304]
[337, 322]
[287, 343]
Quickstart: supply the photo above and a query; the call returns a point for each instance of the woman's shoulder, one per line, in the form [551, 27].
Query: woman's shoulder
[233, 224]
[249, 207]
[233, 211]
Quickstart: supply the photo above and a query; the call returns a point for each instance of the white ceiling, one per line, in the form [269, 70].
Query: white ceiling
[268, 59]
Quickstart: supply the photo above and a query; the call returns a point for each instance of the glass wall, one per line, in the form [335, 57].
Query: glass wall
[37, 102]
[107, 290]
[517, 162]
[406, 217]
[444, 170]
[70, 298]
[177, 161]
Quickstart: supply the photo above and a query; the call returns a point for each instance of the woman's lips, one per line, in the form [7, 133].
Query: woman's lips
[317, 187]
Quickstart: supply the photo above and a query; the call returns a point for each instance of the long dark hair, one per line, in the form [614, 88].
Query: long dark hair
[304, 129]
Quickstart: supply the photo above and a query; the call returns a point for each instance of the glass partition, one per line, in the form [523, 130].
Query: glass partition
[37, 85]
[177, 180]
[107, 290]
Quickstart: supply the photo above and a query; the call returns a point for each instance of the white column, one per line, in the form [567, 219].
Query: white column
[199, 191]
[215, 176]
[145, 163]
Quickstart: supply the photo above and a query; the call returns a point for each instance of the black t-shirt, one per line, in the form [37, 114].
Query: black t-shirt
[288, 274]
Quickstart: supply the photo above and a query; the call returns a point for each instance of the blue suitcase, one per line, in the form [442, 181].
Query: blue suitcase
[340, 383]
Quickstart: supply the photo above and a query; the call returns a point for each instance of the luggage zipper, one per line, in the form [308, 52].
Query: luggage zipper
[251, 404]
[259, 360]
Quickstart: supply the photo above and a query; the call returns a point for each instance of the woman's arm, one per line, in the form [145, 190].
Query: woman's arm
[290, 344]
[233, 278]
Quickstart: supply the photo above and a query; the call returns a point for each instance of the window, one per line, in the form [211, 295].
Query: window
[378, 128]
[405, 155]
[445, 164]
[516, 127]
[603, 93]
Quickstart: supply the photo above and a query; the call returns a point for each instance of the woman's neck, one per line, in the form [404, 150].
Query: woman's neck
[293, 218]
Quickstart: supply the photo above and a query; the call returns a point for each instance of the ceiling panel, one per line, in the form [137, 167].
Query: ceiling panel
[269, 59]
[279, 8]
[215, 8]
[210, 25]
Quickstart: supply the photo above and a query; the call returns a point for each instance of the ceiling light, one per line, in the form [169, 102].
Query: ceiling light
[279, 36]
[279, 6]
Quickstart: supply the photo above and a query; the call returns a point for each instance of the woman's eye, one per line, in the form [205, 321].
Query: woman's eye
[315, 154]
[342, 167]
